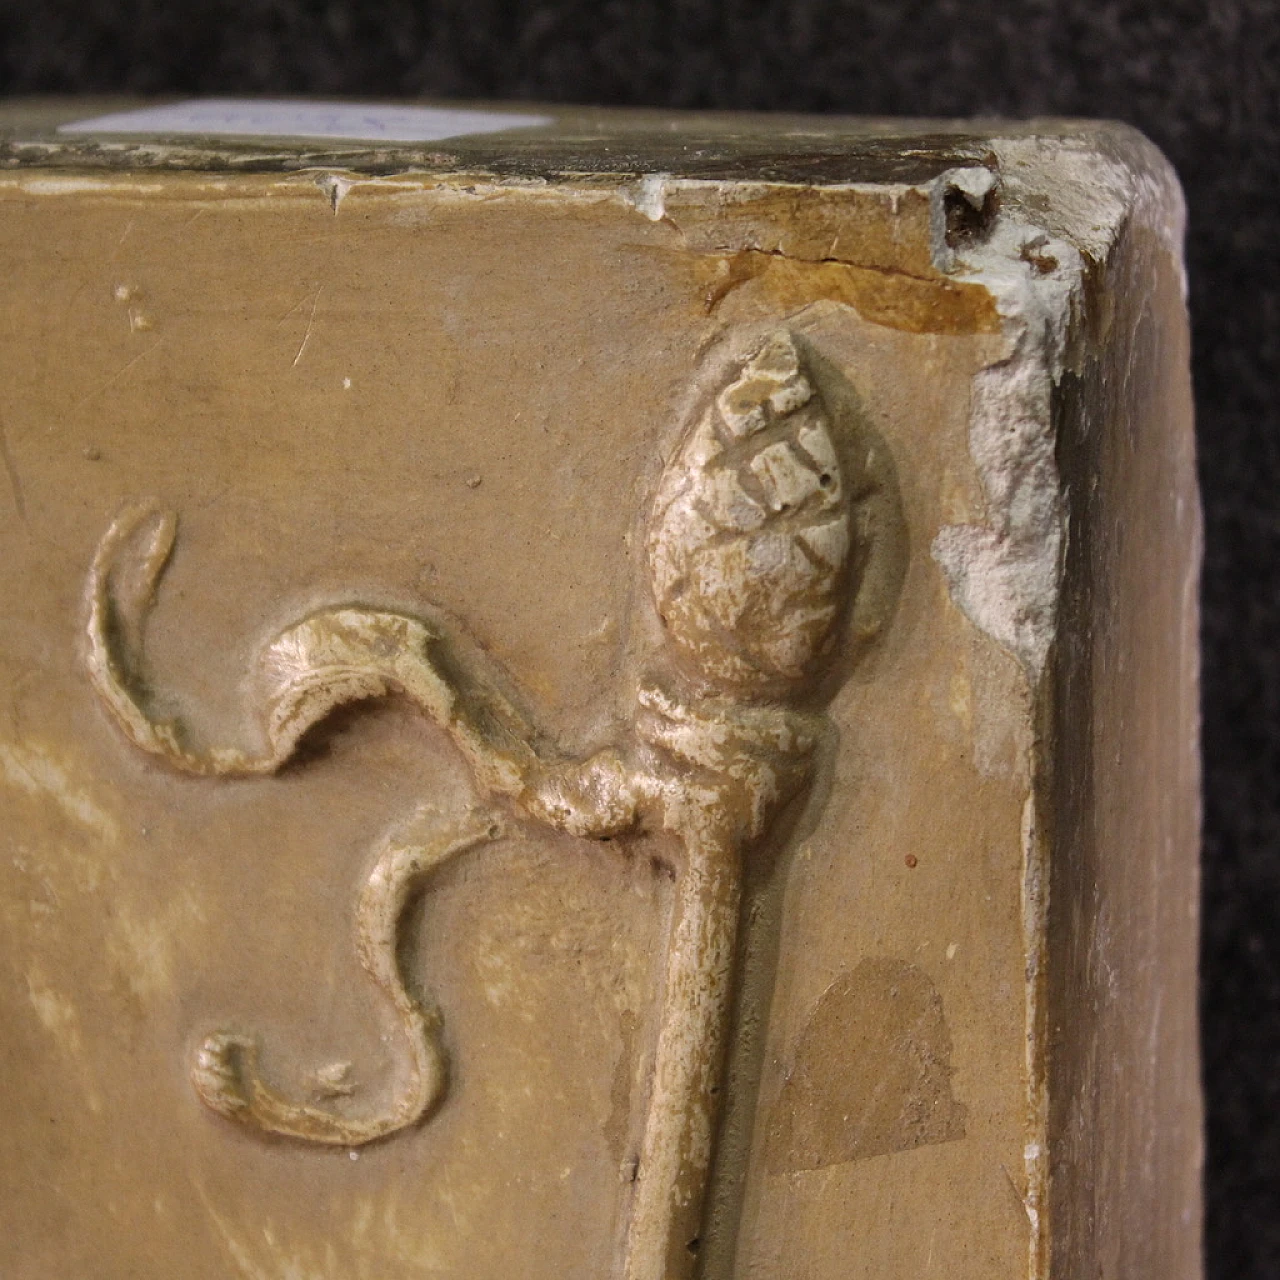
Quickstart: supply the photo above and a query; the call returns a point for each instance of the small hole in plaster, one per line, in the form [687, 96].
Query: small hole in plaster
[968, 219]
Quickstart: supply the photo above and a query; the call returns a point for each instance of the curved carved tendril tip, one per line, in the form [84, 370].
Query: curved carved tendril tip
[331, 658]
[224, 1062]
[225, 1072]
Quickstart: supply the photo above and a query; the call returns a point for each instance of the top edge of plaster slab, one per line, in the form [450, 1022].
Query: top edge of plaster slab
[514, 140]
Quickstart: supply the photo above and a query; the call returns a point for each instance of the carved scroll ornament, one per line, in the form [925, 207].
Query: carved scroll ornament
[754, 553]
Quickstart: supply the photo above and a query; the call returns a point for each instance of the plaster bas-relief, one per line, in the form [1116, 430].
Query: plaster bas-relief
[430, 422]
[229, 908]
[774, 545]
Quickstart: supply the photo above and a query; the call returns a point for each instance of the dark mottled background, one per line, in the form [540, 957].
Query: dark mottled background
[1202, 79]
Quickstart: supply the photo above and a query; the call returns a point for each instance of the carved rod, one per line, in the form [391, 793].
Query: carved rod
[664, 1226]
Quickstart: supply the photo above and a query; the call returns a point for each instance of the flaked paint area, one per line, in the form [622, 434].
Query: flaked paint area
[893, 299]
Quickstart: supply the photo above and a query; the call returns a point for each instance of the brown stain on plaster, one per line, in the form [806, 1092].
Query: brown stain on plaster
[871, 1073]
[894, 299]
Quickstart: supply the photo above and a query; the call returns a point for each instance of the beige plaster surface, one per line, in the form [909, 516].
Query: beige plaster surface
[454, 396]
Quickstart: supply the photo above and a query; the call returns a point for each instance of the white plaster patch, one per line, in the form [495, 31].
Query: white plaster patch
[649, 196]
[1004, 574]
[1063, 202]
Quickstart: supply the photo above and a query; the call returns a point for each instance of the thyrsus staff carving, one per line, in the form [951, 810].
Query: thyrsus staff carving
[754, 554]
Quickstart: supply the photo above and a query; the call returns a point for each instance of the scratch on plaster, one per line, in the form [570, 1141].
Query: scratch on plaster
[297, 306]
[311, 319]
[1028, 1209]
[120, 373]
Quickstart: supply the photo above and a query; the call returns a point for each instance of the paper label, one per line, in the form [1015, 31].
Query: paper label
[240, 118]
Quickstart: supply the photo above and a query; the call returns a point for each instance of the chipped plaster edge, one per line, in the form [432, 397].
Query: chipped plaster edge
[1060, 206]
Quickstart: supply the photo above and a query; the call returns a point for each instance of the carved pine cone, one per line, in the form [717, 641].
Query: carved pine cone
[750, 536]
